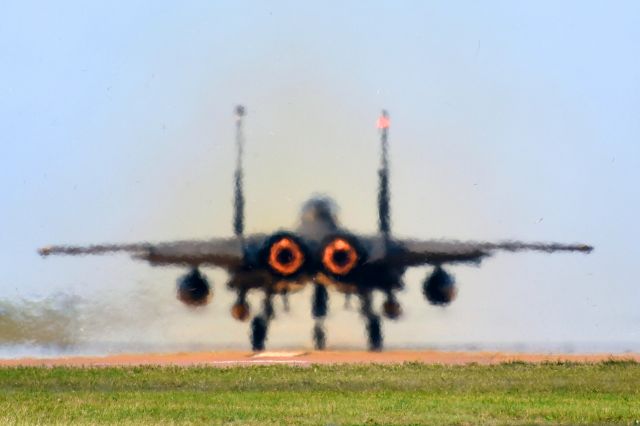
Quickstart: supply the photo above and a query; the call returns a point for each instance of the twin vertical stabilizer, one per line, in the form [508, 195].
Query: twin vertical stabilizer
[238, 201]
[384, 209]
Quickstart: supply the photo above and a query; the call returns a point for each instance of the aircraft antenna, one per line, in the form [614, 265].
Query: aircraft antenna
[238, 201]
[384, 209]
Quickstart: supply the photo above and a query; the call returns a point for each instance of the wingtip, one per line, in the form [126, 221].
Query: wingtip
[44, 251]
[586, 248]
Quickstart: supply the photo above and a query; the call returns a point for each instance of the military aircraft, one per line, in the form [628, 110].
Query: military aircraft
[319, 252]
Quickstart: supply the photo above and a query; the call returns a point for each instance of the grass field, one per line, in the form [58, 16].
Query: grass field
[515, 393]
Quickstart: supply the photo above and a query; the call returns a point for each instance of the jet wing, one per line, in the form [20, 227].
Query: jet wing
[226, 253]
[436, 252]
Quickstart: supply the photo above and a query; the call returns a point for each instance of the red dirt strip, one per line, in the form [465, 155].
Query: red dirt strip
[233, 358]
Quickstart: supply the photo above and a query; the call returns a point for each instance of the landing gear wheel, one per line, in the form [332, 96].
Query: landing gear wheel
[258, 333]
[375, 334]
[319, 308]
[319, 337]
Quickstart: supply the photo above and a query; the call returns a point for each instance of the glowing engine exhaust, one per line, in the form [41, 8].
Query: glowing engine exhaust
[193, 289]
[285, 255]
[439, 288]
[340, 256]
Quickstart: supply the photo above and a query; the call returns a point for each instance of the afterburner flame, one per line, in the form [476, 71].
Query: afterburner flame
[286, 256]
[339, 257]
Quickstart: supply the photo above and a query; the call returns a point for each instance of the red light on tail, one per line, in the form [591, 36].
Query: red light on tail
[339, 256]
[383, 121]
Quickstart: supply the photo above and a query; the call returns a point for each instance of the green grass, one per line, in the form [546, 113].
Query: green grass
[515, 393]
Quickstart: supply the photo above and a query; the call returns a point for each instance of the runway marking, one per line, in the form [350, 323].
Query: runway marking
[220, 363]
[260, 361]
[277, 354]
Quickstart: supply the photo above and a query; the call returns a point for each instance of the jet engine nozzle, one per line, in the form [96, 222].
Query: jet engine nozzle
[194, 289]
[439, 288]
[340, 256]
[285, 255]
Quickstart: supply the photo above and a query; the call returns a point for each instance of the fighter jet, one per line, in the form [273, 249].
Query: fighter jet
[320, 252]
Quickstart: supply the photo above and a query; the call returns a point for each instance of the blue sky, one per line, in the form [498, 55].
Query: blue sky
[509, 120]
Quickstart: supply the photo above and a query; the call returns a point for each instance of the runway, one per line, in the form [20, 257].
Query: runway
[307, 358]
